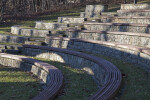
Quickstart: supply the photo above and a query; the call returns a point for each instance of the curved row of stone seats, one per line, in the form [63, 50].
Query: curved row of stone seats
[50, 26]
[106, 75]
[93, 11]
[125, 19]
[19, 30]
[118, 27]
[135, 6]
[71, 20]
[129, 53]
[137, 39]
[48, 73]
[12, 39]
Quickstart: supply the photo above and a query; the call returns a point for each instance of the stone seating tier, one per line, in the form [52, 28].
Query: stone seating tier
[118, 27]
[18, 30]
[129, 53]
[133, 12]
[135, 6]
[107, 76]
[50, 26]
[49, 74]
[137, 39]
[93, 11]
[125, 19]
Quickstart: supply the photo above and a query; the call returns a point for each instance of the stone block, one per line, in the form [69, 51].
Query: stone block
[135, 6]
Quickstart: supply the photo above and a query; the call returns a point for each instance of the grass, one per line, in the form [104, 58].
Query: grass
[78, 84]
[17, 85]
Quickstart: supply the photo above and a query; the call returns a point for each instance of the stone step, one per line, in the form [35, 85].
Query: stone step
[35, 43]
[69, 20]
[19, 30]
[12, 39]
[109, 13]
[137, 39]
[93, 11]
[10, 51]
[135, 6]
[118, 27]
[126, 19]
[133, 13]
[36, 39]
[50, 26]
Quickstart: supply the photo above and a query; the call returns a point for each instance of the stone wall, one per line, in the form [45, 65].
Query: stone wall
[50, 26]
[139, 20]
[118, 27]
[94, 11]
[18, 30]
[24, 63]
[12, 39]
[133, 12]
[133, 54]
[137, 39]
[134, 6]
[47, 73]
[70, 20]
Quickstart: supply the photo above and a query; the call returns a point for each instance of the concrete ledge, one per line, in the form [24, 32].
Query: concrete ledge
[12, 39]
[133, 12]
[126, 19]
[135, 6]
[18, 30]
[50, 26]
[48, 73]
[129, 53]
[120, 27]
[71, 20]
[107, 76]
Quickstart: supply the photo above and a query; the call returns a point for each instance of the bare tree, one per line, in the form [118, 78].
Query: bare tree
[3, 6]
[135, 1]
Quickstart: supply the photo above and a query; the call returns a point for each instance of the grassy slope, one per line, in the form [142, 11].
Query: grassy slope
[17, 85]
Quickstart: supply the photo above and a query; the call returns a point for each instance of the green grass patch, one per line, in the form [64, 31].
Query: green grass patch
[17, 85]
[78, 84]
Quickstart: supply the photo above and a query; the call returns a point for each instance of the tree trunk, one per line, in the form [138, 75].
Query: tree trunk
[3, 5]
[135, 1]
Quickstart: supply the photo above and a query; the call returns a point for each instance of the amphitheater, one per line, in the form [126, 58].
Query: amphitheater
[122, 35]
